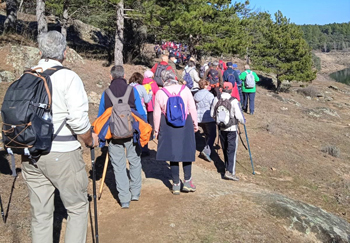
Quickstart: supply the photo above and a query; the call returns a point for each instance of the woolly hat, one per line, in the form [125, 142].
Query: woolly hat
[234, 65]
[148, 74]
[227, 87]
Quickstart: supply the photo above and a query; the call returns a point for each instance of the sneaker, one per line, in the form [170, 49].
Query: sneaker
[206, 156]
[229, 176]
[135, 197]
[125, 205]
[176, 189]
[188, 186]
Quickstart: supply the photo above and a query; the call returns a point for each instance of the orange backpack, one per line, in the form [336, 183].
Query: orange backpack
[101, 127]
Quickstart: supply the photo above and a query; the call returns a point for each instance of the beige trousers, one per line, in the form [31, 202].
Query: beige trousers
[66, 172]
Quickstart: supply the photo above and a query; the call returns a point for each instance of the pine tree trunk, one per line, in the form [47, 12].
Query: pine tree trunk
[279, 83]
[11, 16]
[65, 18]
[40, 16]
[119, 35]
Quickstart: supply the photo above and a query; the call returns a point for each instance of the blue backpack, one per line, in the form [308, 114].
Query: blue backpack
[175, 109]
[231, 78]
[188, 79]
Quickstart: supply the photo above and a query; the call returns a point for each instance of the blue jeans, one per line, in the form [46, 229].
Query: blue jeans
[251, 97]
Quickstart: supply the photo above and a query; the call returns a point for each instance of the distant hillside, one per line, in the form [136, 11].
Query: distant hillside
[328, 37]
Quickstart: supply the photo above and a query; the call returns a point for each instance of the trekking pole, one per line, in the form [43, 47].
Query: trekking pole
[240, 137]
[92, 150]
[250, 154]
[2, 210]
[103, 176]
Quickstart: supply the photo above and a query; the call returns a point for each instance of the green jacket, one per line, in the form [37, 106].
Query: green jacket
[242, 77]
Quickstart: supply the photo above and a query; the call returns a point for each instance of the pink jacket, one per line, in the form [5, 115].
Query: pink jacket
[155, 88]
[162, 98]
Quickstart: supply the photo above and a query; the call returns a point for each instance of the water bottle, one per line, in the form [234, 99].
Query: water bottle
[47, 116]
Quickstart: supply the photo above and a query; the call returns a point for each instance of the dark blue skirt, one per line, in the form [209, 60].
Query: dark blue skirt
[176, 144]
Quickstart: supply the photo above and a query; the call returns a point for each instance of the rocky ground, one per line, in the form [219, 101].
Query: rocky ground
[300, 148]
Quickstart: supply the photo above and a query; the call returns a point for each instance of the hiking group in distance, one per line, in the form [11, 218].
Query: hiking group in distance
[43, 125]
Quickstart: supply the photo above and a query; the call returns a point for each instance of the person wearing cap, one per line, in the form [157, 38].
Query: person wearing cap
[150, 86]
[248, 93]
[173, 63]
[237, 84]
[235, 67]
[176, 144]
[229, 136]
[214, 73]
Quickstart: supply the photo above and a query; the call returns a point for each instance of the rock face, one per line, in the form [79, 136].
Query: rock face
[19, 58]
[308, 219]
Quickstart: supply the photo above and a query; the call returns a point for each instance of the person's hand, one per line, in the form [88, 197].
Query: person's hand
[184, 82]
[95, 139]
[196, 129]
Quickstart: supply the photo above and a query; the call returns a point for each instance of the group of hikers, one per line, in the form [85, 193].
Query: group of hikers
[175, 108]
[176, 50]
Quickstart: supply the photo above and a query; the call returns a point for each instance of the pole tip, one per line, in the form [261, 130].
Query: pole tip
[254, 173]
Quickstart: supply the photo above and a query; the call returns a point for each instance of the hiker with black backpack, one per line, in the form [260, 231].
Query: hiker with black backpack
[249, 79]
[62, 166]
[175, 122]
[159, 67]
[123, 98]
[214, 76]
[226, 111]
[190, 77]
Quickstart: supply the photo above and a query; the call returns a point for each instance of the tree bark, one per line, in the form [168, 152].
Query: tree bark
[11, 16]
[40, 16]
[65, 16]
[119, 35]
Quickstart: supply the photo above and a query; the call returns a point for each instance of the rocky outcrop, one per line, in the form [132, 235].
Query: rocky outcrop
[308, 219]
[19, 58]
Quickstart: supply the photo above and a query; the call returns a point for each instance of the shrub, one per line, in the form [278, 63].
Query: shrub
[331, 150]
[309, 91]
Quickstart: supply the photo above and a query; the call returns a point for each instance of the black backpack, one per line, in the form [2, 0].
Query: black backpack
[213, 76]
[24, 131]
[231, 78]
[157, 75]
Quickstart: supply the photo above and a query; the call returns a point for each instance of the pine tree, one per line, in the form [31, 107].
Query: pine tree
[282, 50]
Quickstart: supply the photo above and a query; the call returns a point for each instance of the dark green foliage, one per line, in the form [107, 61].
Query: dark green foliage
[328, 37]
[316, 62]
[279, 48]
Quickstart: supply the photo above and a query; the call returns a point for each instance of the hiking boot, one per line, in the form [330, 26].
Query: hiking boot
[188, 186]
[176, 189]
[206, 156]
[135, 197]
[229, 176]
[125, 205]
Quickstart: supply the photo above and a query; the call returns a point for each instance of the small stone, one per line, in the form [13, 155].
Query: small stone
[319, 95]
[328, 98]
[99, 85]
[333, 87]
[308, 97]
[257, 173]
[273, 169]
[284, 108]
[172, 225]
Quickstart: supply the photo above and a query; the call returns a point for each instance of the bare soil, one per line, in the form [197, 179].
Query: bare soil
[285, 138]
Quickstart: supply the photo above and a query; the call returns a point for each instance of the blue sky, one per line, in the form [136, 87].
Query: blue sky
[307, 11]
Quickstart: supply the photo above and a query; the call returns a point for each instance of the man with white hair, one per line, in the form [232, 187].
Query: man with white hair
[249, 78]
[63, 168]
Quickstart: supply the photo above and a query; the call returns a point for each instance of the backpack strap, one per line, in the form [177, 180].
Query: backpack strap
[54, 69]
[124, 98]
[182, 88]
[166, 92]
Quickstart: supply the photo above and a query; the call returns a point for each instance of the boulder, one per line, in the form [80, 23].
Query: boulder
[7, 76]
[321, 111]
[20, 58]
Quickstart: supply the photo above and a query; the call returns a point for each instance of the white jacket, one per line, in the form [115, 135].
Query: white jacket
[69, 101]
[194, 75]
[236, 111]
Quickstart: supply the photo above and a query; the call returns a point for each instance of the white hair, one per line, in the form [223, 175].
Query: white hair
[52, 45]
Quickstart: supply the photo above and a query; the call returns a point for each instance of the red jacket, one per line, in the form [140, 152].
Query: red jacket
[154, 69]
[155, 88]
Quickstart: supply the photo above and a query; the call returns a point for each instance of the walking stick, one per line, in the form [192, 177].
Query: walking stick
[250, 154]
[2, 210]
[92, 150]
[103, 176]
